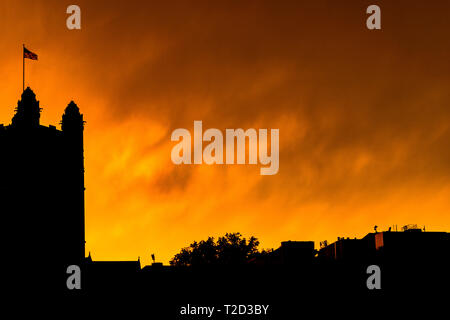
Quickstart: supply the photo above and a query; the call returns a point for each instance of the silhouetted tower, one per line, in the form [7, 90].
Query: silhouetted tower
[42, 193]
[72, 126]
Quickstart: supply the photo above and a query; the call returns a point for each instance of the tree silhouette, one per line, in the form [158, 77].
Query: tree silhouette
[229, 249]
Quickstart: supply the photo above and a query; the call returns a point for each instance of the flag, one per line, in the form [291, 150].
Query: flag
[29, 55]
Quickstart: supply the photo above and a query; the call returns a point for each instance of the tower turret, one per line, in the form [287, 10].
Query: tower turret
[27, 111]
[72, 119]
[72, 126]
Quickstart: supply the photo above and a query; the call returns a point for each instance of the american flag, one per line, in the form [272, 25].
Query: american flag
[29, 55]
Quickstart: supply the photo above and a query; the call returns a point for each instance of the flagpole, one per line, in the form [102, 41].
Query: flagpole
[23, 68]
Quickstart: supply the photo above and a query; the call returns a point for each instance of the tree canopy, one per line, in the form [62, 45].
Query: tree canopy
[232, 248]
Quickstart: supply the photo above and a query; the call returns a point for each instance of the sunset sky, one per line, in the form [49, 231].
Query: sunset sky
[364, 116]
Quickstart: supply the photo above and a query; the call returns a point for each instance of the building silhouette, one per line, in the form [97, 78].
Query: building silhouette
[289, 253]
[409, 245]
[42, 192]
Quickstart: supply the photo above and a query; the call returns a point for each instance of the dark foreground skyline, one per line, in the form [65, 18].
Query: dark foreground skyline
[363, 115]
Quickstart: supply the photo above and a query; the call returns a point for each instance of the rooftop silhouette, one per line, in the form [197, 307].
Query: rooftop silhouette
[42, 196]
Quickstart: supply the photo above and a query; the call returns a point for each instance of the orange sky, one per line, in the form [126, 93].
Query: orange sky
[364, 116]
